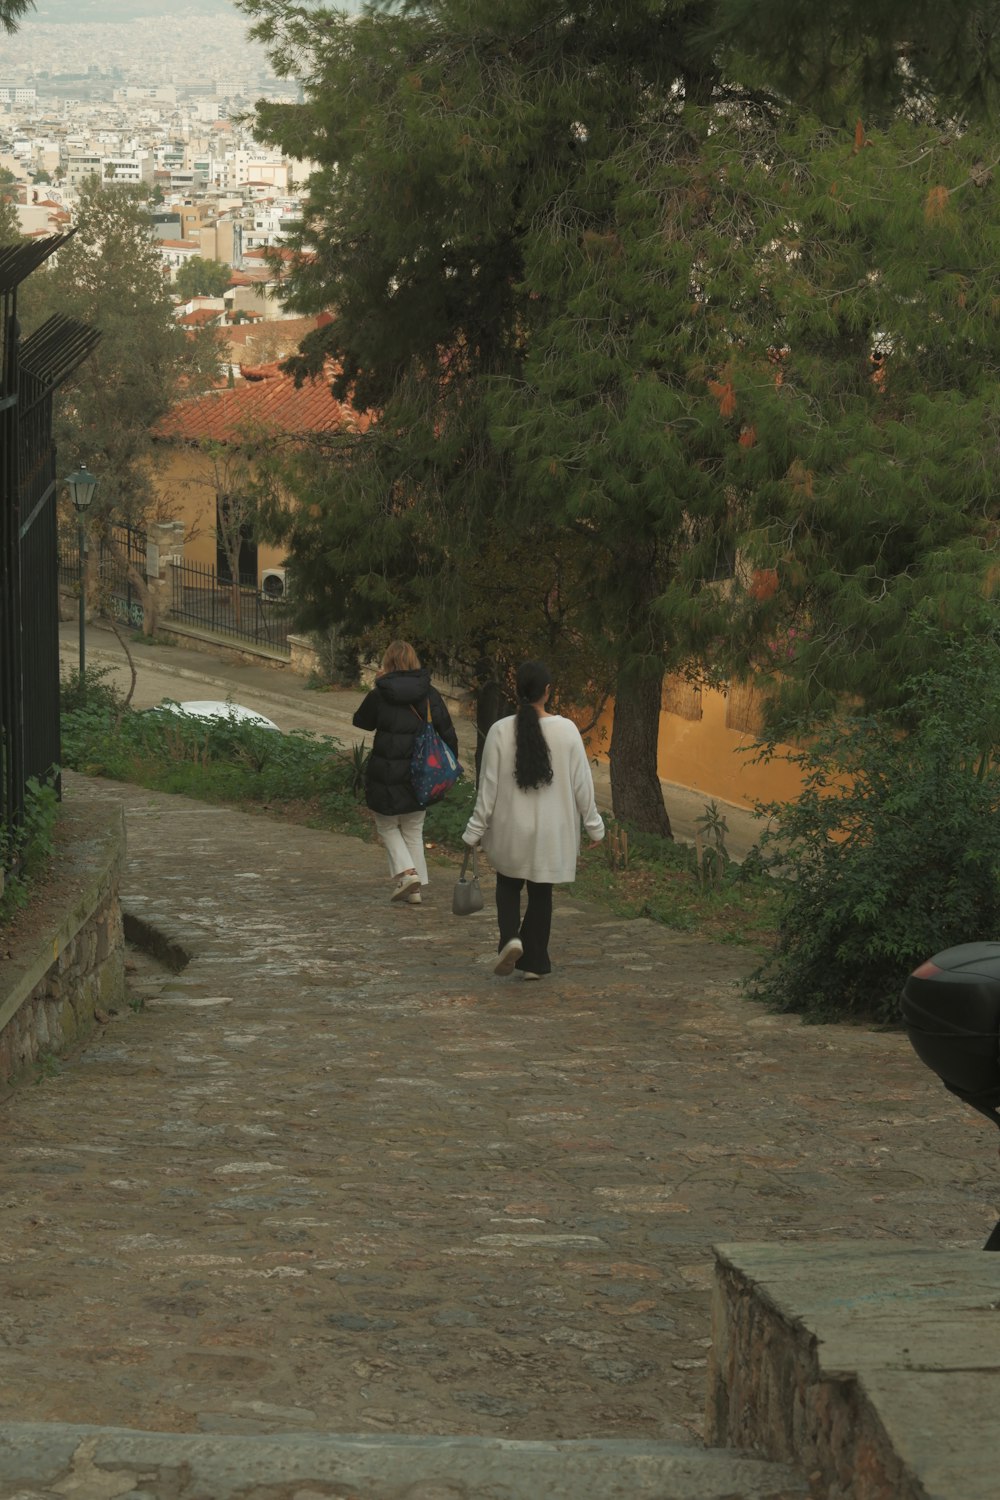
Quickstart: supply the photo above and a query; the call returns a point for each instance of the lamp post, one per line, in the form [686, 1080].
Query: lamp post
[82, 486]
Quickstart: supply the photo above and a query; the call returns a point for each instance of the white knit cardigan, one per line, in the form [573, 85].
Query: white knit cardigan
[535, 835]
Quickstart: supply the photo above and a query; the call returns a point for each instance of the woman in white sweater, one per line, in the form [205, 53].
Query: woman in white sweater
[535, 789]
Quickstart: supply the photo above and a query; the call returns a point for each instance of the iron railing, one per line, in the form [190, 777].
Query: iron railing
[30, 371]
[200, 597]
[69, 560]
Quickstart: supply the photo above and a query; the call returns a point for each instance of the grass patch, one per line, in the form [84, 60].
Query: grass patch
[661, 881]
[315, 780]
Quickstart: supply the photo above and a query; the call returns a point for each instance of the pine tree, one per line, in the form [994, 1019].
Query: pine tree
[876, 58]
[613, 302]
[11, 12]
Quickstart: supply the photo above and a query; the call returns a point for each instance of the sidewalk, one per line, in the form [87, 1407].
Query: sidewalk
[335, 1177]
[183, 673]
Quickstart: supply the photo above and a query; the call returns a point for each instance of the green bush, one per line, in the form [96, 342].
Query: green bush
[94, 689]
[214, 759]
[25, 854]
[892, 852]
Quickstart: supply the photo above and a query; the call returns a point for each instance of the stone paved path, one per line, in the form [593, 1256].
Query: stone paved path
[337, 1177]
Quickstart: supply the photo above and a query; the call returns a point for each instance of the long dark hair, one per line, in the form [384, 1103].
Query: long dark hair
[532, 761]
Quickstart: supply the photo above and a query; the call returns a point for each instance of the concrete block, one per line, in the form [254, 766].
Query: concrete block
[876, 1365]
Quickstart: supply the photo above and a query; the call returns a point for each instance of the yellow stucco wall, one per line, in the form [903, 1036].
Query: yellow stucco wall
[709, 756]
[709, 747]
[185, 486]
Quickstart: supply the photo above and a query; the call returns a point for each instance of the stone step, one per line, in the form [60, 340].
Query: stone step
[873, 1365]
[43, 1460]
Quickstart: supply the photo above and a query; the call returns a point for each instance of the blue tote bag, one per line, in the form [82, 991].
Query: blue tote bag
[434, 767]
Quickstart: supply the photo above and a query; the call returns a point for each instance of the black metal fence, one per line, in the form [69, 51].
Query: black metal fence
[30, 371]
[200, 597]
[69, 560]
[121, 558]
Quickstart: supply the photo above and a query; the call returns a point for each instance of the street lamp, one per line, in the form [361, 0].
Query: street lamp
[82, 486]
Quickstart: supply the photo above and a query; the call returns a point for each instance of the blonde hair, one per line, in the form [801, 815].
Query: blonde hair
[400, 657]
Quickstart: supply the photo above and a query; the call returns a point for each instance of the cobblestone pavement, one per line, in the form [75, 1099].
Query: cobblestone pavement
[335, 1176]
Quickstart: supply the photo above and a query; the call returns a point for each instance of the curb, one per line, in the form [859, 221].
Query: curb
[187, 674]
[94, 1463]
[141, 933]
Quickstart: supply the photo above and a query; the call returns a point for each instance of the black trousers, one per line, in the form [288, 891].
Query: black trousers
[534, 930]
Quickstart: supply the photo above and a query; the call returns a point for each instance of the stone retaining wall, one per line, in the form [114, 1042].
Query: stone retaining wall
[797, 1333]
[65, 964]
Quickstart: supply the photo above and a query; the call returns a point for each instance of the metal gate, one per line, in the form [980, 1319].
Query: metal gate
[121, 556]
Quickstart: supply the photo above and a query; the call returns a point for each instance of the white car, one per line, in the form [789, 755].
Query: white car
[209, 708]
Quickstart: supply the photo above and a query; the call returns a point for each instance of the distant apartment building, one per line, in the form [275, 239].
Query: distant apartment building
[270, 223]
[165, 224]
[135, 169]
[209, 110]
[236, 168]
[193, 214]
[18, 93]
[80, 165]
[219, 241]
[45, 156]
[177, 253]
[170, 157]
[163, 93]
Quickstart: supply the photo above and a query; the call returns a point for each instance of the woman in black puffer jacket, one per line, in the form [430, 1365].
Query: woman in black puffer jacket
[396, 708]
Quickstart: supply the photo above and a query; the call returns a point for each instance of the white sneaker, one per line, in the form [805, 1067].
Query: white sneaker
[405, 887]
[508, 956]
[414, 898]
[527, 974]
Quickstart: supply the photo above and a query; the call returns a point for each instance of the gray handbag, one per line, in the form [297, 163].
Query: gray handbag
[467, 896]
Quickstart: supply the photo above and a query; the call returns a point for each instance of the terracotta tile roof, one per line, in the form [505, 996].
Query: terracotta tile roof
[281, 252]
[199, 318]
[272, 403]
[261, 372]
[178, 245]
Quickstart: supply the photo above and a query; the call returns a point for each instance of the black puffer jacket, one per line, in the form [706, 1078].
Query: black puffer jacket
[396, 708]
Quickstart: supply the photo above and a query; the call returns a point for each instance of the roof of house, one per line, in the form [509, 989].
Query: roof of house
[200, 317]
[278, 252]
[287, 333]
[269, 401]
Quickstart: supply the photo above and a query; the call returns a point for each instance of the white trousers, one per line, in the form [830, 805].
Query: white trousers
[403, 837]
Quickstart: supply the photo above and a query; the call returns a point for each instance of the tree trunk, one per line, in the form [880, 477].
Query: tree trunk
[636, 795]
[492, 704]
